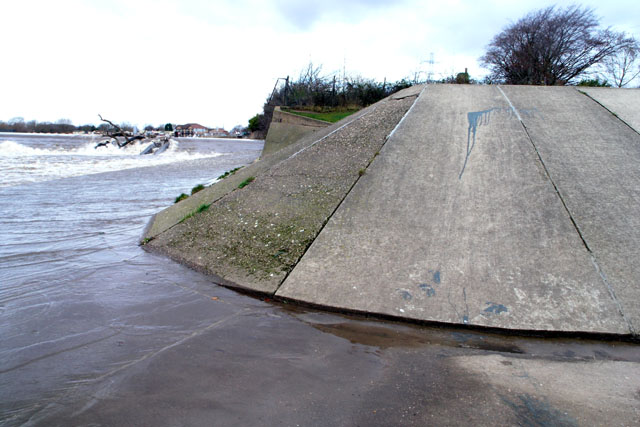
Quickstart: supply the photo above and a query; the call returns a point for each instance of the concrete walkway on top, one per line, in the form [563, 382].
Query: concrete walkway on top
[498, 206]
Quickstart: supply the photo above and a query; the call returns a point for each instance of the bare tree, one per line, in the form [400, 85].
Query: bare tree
[623, 68]
[552, 47]
[114, 132]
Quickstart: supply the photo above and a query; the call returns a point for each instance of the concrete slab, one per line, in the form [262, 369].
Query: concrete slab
[173, 215]
[252, 237]
[457, 221]
[593, 158]
[624, 103]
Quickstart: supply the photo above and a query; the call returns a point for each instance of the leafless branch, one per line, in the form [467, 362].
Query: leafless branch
[622, 68]
[128, 137]
[112, 124]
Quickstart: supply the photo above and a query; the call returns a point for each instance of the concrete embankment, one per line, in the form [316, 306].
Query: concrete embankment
[493, 206]
[286, 129]
[252, 237]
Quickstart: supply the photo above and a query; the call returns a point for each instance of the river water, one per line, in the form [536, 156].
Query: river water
[68, 208]
[95, 331]
[71, 216]
[71, 213]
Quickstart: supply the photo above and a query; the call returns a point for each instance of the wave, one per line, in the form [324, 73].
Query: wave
[10, 148]
[21, 164]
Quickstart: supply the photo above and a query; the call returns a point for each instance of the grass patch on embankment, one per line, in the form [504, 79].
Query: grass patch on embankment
[326, 116]
[246, 182]
[203, 207]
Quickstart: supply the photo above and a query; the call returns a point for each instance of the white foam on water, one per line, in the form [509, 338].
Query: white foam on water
[21, 163]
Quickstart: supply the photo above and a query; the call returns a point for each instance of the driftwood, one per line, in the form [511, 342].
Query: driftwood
[121, 138]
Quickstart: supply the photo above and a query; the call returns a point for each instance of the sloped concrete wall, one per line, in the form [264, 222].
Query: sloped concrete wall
[457, 222]
[493, 206]
[623, 103]
[252, 237]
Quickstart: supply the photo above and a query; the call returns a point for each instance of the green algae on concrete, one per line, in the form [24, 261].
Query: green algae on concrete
[253, 237]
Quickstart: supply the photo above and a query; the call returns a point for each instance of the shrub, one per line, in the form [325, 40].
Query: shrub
[229, 173]
[182, 196]
[197, 188]
[246, 182]
[203, 207]
[594, 83]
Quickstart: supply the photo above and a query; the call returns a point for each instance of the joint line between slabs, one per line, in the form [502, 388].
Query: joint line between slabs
[594, 260]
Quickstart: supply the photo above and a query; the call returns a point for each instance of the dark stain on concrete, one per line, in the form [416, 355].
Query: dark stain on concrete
[475, 119]
[428, 289]
[406, 295]
[495, 308]
[436, 276]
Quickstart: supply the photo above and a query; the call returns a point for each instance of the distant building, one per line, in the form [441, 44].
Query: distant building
[218, 132]
[190, 129]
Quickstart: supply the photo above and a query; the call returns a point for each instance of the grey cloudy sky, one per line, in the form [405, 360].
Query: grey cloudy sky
[215, 62]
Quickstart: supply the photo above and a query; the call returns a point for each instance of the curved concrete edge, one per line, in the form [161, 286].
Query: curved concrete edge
[346, 311]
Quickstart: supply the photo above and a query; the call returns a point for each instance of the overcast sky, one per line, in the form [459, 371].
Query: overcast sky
[215, 62]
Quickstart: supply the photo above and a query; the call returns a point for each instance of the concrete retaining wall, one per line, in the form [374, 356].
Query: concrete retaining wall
[287, 128]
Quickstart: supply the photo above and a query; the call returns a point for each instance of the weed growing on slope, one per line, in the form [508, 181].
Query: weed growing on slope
[246, 182]
[182, 196]
[229, 173]
[203, 207]
[197, 188]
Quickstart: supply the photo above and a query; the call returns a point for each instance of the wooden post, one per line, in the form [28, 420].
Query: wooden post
[333, 92]
[286, 92]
